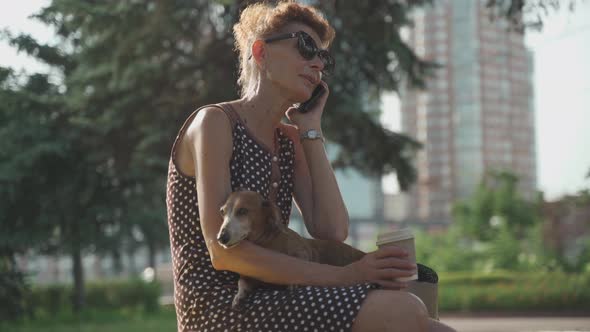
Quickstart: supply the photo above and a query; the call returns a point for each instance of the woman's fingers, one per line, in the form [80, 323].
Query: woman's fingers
[384, 265]
[389, 274]
[395, 285]
[399, 263]
[390, 251]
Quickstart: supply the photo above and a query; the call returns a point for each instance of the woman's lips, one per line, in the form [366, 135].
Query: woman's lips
[310, 80]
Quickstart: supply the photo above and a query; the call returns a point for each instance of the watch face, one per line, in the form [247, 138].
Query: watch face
[312, 134]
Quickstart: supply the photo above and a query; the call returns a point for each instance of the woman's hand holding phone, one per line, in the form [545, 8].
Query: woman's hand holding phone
[308, 114]
[315, 96]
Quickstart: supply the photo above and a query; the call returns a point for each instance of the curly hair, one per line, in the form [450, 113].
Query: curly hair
[261, 20]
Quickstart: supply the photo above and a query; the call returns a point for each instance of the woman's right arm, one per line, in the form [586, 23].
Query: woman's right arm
[210, 141]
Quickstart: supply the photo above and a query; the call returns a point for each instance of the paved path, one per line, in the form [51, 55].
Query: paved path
[517, 324]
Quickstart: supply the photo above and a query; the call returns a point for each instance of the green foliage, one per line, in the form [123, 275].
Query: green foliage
[124, 294]
[496, 209]
[445, 252]
[495, 229]
[47, 301]
[504, 250]
[91, 320]
[13, 289]
[452, 251]
[526, 15]
[478, 278]
[514, 291]
[141, 67]
[29, 152]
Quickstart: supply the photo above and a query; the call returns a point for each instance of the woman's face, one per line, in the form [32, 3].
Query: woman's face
[288, 70]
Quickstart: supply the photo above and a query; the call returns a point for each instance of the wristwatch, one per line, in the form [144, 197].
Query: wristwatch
[311, 134]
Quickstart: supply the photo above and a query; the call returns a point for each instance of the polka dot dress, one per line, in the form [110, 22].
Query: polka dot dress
[202, 295]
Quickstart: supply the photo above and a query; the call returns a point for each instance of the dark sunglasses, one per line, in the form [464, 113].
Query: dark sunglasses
[307, 48]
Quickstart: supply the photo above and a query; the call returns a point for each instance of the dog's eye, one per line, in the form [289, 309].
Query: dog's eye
[242, 211]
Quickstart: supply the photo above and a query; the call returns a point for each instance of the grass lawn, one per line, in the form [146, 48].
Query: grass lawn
[120, 321]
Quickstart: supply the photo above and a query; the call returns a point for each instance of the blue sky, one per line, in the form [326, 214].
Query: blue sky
[561, 78]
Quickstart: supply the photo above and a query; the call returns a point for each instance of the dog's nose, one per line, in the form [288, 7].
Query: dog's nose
[223, 236]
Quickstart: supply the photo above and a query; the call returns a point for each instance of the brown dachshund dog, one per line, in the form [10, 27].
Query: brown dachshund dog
[247, 215]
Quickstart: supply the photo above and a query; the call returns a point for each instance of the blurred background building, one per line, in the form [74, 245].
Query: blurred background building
[476, 115]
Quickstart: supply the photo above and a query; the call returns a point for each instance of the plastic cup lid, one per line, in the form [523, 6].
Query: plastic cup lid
[393, 236]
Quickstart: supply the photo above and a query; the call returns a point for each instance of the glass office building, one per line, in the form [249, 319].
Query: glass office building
[476, 114]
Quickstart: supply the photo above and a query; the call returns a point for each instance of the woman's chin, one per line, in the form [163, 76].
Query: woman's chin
[302, 96]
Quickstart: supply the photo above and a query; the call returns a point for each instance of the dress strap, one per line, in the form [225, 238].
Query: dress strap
[223, 106]
[232, 113]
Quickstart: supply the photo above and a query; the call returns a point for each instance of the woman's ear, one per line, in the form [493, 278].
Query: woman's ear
[259, 53]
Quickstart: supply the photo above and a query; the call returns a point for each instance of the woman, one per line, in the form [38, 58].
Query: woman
[243, 144]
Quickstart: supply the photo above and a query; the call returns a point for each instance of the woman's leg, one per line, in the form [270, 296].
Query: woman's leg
[393, 311]
[436, 326]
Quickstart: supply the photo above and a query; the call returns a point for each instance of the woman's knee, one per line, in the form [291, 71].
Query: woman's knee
[388, 310]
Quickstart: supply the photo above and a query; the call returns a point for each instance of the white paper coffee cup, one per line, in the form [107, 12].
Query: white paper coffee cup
[403, 238]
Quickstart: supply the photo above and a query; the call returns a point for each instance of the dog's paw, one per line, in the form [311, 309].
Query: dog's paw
[238, 303]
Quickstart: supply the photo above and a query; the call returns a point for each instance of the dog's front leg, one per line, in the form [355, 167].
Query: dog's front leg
[245, 287]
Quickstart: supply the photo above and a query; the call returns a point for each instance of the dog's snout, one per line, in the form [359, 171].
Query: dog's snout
[223, 236]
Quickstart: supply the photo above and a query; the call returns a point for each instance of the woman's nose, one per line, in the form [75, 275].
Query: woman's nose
[317, 63]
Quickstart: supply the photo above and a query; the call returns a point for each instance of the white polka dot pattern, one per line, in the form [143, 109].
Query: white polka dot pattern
[202, 295]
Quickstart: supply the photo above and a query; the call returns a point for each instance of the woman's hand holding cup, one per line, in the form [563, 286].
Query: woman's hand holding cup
[383, 266]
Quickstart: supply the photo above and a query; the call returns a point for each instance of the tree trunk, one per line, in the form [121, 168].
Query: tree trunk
[12, 286]
[152, 255]
[117, 265]
[132, 266]
[78, 270]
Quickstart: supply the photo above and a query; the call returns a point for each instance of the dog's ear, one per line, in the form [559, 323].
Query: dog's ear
[273, 213]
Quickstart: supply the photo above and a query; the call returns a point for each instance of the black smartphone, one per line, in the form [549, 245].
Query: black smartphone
[315, 95]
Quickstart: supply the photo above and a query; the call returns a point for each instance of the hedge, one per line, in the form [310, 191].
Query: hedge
[115, 294]
[513, 291]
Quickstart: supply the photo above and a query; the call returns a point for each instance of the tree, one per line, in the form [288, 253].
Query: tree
[54, 197]
[502, 228]
[525, 14]
[121, 70]
[496, 204]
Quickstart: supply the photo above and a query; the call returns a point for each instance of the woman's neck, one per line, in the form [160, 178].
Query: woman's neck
[264, 110]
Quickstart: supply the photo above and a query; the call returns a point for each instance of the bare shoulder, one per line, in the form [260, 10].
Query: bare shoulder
[209, 121]
[210, 127]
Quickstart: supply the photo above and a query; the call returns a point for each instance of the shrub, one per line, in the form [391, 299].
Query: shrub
[115, 294]
[514, 291]
[13, 290]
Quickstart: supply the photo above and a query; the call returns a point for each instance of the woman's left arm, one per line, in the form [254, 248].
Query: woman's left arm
[316, 191]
